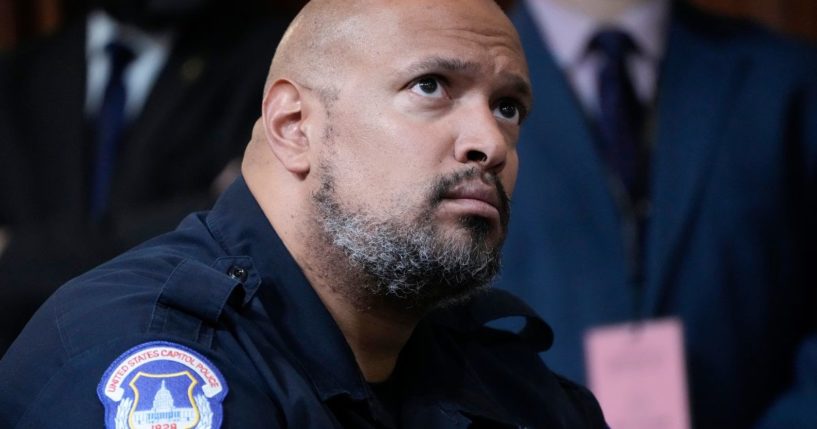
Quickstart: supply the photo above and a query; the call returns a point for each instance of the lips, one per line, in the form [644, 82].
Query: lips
[477, 191]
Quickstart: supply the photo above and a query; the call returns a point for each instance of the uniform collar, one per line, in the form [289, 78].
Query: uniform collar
[432, 368]
[294, 309]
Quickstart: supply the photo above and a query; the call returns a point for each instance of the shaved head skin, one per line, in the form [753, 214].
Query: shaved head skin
[385, 156]
[317, 41]
[324, 38]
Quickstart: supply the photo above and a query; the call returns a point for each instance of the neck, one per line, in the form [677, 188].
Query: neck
[375, 337]
[375, 328]
[601, 9]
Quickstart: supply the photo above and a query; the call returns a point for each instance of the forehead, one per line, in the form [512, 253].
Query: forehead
[472, 31]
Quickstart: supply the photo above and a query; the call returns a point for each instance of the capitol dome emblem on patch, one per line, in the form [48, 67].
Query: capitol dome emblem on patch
[162, 385]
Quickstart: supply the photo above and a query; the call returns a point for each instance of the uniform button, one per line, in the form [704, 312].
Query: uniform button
[237, 273]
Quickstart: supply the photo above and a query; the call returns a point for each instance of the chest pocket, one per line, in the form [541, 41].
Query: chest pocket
[195, 295]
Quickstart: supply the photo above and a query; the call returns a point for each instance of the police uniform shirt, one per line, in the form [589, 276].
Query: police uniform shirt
[214, 325]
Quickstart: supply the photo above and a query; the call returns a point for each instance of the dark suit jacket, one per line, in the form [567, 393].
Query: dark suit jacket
[730, 241]
[197, 118]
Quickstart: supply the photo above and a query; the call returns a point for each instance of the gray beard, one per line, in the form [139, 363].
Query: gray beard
[411, 264]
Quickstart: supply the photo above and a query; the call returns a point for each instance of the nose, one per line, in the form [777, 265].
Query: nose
[481, 141]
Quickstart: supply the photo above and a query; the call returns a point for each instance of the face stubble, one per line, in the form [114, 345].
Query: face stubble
[407, 259]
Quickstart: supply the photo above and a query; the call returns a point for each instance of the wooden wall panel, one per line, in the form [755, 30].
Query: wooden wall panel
[798, 17]
[22, 19]
[46, 15]
[801, 18]
[8, 24]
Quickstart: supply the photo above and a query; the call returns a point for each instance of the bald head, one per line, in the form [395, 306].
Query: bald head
[321, 41]
[331, 43]
[328, 39]
[315, 41]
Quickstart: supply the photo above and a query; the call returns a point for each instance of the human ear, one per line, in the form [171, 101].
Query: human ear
[282, 115]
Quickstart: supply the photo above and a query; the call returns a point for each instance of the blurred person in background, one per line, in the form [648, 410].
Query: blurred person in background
[114, 128]
[670, 172]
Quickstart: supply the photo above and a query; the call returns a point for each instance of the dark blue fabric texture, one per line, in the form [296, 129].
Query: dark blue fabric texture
[224, 285]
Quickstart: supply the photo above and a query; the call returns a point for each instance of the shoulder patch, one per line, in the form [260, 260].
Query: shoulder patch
[162, 385]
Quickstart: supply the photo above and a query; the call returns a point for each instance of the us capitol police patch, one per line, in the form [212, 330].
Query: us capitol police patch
[162, 385]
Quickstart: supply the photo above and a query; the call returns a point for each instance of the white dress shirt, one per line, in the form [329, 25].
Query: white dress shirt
[568, 32]
[150, 54]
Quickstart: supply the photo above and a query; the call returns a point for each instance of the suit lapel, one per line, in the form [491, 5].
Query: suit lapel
[156, 127]
[699, 80]
[56, 111]
[175, 80]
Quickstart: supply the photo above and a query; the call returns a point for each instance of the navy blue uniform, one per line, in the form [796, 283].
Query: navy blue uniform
[222, 295]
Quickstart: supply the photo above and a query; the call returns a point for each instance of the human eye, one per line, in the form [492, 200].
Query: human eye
[509, 110]
[429, 86]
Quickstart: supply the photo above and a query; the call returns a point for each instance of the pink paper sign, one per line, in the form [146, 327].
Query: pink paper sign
[637, 372]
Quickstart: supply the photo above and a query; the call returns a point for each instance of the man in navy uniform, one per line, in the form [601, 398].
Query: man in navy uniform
[341, 281]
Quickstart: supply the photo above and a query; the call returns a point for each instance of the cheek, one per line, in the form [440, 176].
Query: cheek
[386, 153]
[372, 172]
[393, 150]
[508, 174]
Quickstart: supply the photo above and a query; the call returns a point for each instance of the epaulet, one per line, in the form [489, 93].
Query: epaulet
[490, 308]
[195, 294]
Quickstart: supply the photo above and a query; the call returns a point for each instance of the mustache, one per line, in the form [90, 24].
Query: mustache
[445, 184]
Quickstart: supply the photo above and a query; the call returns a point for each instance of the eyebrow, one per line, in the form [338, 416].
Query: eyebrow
[447, 64]
[518, 85]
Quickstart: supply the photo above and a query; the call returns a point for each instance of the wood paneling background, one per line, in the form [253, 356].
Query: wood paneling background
[23, 19]
[20, 19]
[798, 17]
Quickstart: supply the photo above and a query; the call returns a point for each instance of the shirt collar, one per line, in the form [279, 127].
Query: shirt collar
[429, 366]
[568, 31]
[103, 29]
[294, 309]
[150, 50]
